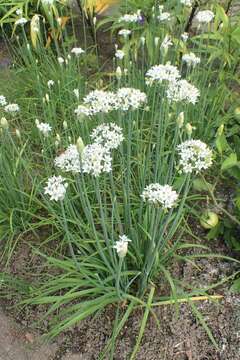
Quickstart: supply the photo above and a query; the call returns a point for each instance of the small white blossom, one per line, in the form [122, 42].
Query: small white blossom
[166, 43]
[204, 16]
[119, 54]
[21, 21]
[182, 90]
[164, 16]
[12, 108]
[186, 2]
[50, 83]
[184, 36]
[83, 110]
[160, 73]
[162, 195]
[44, 128]
[122, 246]
[77, 51]
[19, 12]
[109, 135]
[3, 100]
[194, 155]
[56, 188]
[191, 59]
[130, 18]
[97, 101]
[61, 60]
[124, 32]
[130, 98]
[69, 160]
[96, 159]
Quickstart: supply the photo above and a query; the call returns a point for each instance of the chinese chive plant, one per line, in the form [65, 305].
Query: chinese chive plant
[110, 161]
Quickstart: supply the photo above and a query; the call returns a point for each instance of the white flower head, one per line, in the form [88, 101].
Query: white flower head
[191, 59]
[160, 73]
[119, 54]
[161, 195]
[96, 159]
[167, 41]
[69, 160]
[164, 16]
[124, 32]
[19, 12]
[12, 108]
[97, 101]
[3, 100]
[122, 246]
[194, 155]
[109, 135]
[77, 51]
[186, 2]
[130, 18]
[83, 110]
[44, 128]
[182, 90]
[21, 21]
[56, 188]
[184, 36]
[205, 16]
[50, 83]
[61, 60]
[130, 98]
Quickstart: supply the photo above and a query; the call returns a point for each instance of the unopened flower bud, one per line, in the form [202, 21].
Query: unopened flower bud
[118, 72]
[80, 145]
[180, 119]
[220, 130]
[4, 123]
[47, 98]
[156, 40]
[189, 129]
[237, 113]
[65, 125]
[18, 134]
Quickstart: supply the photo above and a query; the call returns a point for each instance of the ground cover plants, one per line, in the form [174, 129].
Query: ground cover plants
[105, 165]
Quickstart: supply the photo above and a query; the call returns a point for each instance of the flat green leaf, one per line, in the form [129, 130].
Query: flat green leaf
[229, 162]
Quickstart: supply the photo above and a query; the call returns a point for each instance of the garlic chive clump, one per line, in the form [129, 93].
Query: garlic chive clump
[44, 128]
[130, 98]
[108, 135]
[12, 108]
[161, 195]
[77, 51]
[69, 160]
[122, 246]
[194, 155]
[96, 159]
[191, 59]
[182, 90]
[56, 188]
[205, 16]
[3, 100]
[160, 73]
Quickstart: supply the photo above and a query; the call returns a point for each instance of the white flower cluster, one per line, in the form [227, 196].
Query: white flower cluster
[124, 32]
[160, 73]
[194, 155]
[96, 159]
[69, 160]
[130, 98]
[3, 100]
[12, 108]
[162, 195]
[50, 83]
[21, 21]
[204, 16]
[122, 246]
[182, 90]
[167, 41]
[191, 59]
[108, 135]
[164, 16]
[44, 128]
[56, 188]
[119, 54]
[131, 18]
[77, 51]
[186, 2]
[99, 101]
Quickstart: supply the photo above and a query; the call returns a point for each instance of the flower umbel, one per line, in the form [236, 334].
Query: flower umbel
[69, 160]
[162, 195]
[56, 188]
[109, 135]
[122, 246]
[96, 159]
[182, 90]
[194, 155]
[160, 73]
